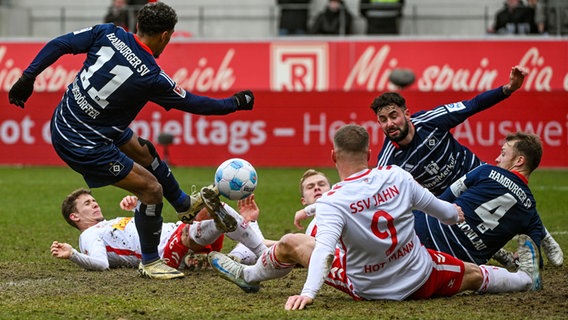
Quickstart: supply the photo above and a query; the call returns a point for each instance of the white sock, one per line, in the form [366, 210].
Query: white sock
[267, 267]
[247, 235]
[255, 227]
[204, 232]
[496, 279]
[244, 254]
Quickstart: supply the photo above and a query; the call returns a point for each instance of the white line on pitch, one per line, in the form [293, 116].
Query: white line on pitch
[557, 188]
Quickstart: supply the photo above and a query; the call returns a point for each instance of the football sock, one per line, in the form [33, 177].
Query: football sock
[148, 221]
[246, 235]
[254, 225]
[245, 255]
[267, 267]
[496, 279]
[204, 232]
[170, 187]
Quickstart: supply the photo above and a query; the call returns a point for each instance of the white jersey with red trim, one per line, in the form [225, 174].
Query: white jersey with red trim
[115, 243]
[369, 216]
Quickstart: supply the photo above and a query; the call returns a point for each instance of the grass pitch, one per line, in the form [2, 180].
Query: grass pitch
[33, 285]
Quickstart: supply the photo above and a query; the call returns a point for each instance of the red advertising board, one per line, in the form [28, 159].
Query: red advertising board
[304, 91]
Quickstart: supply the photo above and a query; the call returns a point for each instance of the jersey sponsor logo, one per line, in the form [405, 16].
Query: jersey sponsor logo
[115, 168]
[438, 174]
[301, 67]
[179, 91]
[432, 168]
[456, 106]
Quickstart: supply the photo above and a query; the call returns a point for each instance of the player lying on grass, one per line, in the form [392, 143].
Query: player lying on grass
[496, 201]
[369, 215]
[114, 243]
[423, 145]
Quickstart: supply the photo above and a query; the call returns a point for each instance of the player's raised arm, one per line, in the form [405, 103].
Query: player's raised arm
[516, 79]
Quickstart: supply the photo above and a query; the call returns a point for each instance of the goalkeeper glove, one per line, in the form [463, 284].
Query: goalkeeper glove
[244, 99]
[21, 91]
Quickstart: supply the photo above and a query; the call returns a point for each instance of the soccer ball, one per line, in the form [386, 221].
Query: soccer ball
[236, 179]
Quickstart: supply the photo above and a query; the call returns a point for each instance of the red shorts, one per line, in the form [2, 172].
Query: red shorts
[174, 250]
[446, 277]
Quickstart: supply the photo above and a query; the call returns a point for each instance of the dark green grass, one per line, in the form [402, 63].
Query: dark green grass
[33, 285]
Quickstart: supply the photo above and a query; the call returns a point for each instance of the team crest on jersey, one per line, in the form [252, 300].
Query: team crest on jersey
[180, 91]
[432, 143]
[115, 168]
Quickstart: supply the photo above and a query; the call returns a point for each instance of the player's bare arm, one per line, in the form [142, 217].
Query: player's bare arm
[299, 217]
[516, 79]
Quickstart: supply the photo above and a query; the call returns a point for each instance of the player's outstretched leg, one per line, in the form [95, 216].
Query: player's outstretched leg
[194, 208]
[158, 270]
[231, 270]
[552, 250]
[507, 259]
[529, 260]
[223, 220]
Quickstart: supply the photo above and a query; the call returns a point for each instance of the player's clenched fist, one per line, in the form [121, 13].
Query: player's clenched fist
[245, 100]
[21, 91]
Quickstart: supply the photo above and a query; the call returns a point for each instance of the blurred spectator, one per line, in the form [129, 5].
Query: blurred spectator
[335, 19]
[539, 16]
[293, 17]
[118, 14]
[138, 4]
[383, 16]
[514, 18]
[552, 16]
[133, 7]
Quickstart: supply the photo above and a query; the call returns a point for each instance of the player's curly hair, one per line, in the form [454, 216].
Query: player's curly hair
[387, 99]
[155, 18]
[69, 205]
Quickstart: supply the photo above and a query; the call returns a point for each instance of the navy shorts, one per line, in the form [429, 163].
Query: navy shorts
[100, 166]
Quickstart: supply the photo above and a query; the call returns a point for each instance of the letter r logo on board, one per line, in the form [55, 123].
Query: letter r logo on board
[299, 67]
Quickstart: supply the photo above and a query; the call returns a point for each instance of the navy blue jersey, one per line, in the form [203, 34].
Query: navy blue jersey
[434, 157]
[119, 76]
[497, 204]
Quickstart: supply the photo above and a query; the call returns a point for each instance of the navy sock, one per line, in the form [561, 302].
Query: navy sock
[148, 220]
[172, 192]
